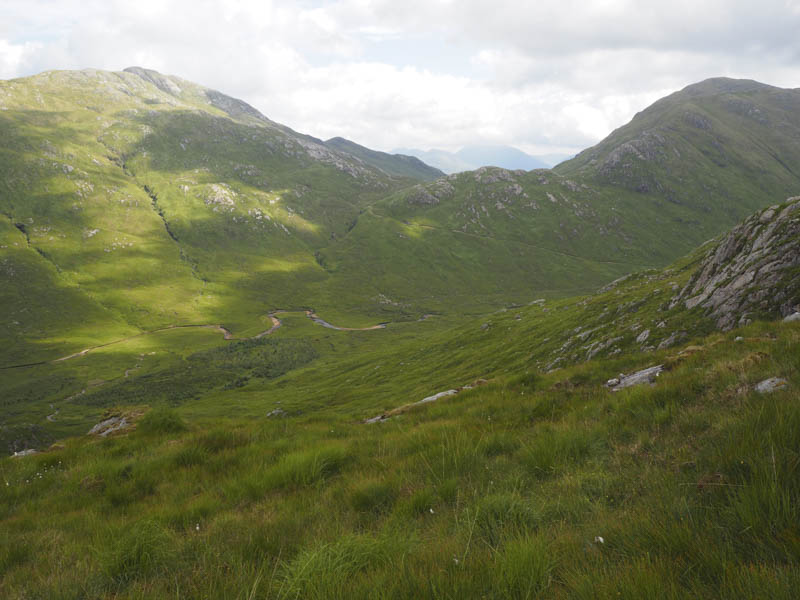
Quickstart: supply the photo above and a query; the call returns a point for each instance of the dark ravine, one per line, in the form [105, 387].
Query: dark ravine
[160, 212]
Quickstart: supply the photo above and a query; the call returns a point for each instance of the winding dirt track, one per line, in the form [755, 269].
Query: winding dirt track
[316, 318]
[226, 334]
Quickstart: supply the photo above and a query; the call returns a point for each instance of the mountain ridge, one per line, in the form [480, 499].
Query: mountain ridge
[403, 165]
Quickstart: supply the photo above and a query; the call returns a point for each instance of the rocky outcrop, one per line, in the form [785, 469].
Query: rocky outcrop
[431, 193]
[392, 413]
[26, 452]
[109, 426]
[162, 82]
[754, 271]
[647, 375]
[770, 385]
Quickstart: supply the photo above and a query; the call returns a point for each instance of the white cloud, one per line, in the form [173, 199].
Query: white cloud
[14, 56]
[549, 75]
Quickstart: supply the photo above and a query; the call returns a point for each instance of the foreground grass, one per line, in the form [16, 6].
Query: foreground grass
[530, 486]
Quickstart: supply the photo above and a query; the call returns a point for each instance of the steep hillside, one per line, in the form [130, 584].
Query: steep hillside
[136, 200]
[506, 458]
[641, 316]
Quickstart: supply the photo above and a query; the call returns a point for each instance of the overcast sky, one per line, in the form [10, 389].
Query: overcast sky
[544, 76]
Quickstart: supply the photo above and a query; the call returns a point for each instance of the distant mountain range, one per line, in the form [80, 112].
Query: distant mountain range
[470, 158]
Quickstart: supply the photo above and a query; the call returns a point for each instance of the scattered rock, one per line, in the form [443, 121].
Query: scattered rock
[675, 337]
[647, 375]
[771, 385]
[642, 337]
[26, 452]
[738, 338]
[109, 426]
[426, 400]
[435, 397]
[792, 318]
[220, 195]
[277, 412]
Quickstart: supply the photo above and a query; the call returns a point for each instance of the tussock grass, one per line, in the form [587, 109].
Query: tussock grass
[500, 492]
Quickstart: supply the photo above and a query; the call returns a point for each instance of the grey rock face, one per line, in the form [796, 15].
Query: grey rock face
[110, 425]
[26, 452]
[751, 271]
[387, 415]
[647, 375]
[672, 339]
[162, 82]
[770, 385]
[792, 318]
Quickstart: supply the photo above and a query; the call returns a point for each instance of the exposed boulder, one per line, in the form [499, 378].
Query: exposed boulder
[644, 376]
[401, 409]
[753, 271]
[673, 339]
[26, 452]
[109, 426]
[770, 385]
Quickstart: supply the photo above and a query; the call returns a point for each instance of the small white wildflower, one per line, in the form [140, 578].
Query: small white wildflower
[197, 527]
[599, 540]
[455, 560]
[431, 510]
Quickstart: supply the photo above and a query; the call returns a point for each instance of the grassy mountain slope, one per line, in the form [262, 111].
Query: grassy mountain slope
[718, 146]
[679, 173]
[496, 237]
[395, 164]
[159, 202]
[262, 480]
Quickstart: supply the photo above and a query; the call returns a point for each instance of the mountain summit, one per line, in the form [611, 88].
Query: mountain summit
[718, 145]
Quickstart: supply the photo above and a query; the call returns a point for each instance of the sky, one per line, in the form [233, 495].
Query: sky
[545, 76]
